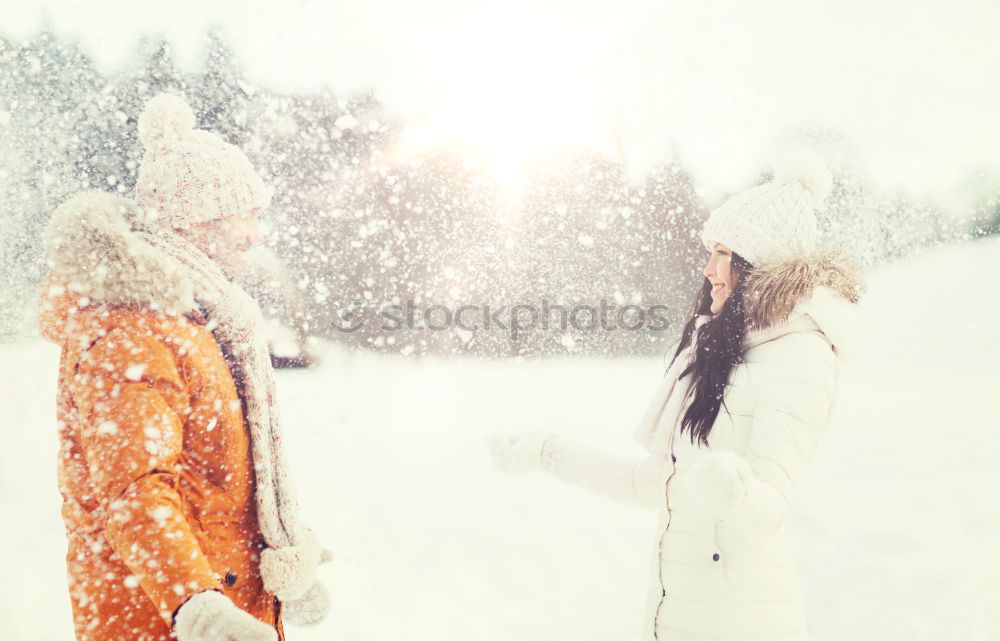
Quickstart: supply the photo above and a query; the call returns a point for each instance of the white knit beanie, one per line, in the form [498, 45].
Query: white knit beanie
[776, 220]
[188, 175]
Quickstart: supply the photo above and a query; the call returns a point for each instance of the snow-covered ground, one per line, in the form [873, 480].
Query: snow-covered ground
[895, 521]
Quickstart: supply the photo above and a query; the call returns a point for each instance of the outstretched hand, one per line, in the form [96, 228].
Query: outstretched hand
[313, 606]
[519, 452]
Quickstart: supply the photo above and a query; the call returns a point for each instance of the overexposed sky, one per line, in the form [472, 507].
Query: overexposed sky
[907, 90]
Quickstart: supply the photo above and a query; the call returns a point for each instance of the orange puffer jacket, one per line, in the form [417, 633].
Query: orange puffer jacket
[154, 470]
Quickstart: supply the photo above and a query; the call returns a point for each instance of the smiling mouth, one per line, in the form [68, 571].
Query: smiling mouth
[718, 287]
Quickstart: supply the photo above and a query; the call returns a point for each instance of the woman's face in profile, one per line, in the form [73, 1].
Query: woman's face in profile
[719, 272]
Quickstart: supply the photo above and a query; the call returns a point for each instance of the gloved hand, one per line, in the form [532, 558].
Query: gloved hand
[211, 616]
[313, 606]
[715, 485]
[522, 452]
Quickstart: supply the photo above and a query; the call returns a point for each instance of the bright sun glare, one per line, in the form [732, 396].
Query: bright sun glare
[513, 94]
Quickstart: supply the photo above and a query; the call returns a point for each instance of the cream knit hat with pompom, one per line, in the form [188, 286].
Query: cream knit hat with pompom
[188, 175]
[776, 220]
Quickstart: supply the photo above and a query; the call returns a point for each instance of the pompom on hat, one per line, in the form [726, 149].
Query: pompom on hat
[776, 220]
[190, 176]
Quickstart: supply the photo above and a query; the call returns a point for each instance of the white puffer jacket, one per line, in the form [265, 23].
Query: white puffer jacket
[723, 568]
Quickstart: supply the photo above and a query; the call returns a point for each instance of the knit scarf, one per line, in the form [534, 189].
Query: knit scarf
[656, 429]
[236, 322]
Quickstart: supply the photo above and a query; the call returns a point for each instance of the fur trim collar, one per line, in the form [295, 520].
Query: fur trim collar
[773, 290]
[819, 290]
[91, 249]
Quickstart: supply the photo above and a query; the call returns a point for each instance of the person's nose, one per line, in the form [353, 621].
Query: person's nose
[709, 268]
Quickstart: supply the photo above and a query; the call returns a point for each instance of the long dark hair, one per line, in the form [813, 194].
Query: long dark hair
[718, 350]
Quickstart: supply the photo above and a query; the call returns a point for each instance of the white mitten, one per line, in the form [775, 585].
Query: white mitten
[211, 616]
[717, 483]
[313, 606]
[310, 608]
[288, 572]
[520, 452]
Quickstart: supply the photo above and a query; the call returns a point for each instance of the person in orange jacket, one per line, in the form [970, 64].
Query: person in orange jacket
[180, 514]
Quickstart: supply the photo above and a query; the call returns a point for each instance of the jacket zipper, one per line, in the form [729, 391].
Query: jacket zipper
[666, 500]
[659, 546]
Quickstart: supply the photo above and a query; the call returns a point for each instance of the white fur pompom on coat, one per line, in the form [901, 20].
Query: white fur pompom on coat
[290, 574]
[290, 571]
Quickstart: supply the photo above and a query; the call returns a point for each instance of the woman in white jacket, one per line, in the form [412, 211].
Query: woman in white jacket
[748, 394]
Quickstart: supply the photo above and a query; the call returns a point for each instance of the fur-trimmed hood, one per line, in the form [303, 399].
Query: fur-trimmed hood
[94, 257]
[819, 290]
